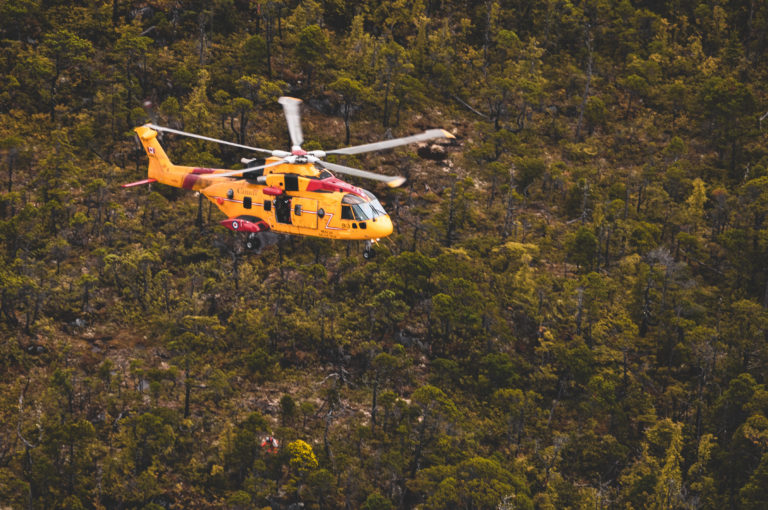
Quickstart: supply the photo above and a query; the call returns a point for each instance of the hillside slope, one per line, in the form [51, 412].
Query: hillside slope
[571, 313]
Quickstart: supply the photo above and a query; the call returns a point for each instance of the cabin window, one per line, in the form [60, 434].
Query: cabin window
[247, 202]
[267, 205]
[346, 213]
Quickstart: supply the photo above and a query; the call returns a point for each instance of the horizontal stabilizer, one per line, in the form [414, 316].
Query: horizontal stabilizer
[139, 183]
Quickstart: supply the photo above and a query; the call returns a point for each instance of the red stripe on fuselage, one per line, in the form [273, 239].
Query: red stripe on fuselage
[189, 181]
[334, 184]
[191, 178]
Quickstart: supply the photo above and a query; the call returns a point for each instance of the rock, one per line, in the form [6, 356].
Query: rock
[35, 349]
[432, 151]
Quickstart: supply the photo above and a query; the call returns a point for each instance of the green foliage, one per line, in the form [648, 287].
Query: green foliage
[312, 49]
[302, 458]
[582, 248]
[753, 494]
[376, 501]
[474, 483]
[571, 312]
[528, 170]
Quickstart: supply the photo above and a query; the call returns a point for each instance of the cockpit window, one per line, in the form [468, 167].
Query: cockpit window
[351, 199]
[377, 207]
[363, 210]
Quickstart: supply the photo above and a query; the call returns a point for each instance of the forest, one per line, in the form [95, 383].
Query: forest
[572, 311]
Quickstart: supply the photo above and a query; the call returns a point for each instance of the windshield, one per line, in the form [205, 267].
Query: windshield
[364, 210]
[377, 208]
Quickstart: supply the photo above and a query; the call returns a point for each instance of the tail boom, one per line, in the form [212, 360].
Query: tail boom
[162, 170]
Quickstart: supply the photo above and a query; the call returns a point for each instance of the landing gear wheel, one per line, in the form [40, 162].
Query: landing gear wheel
[253, 242]
[368, 251]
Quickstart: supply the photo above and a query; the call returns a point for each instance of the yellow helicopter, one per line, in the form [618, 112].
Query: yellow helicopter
[291, 193]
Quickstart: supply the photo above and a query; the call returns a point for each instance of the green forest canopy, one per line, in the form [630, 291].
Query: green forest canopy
[572, 312]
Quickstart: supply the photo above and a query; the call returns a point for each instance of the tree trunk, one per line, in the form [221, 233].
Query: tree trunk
[487, 35]
[243, 126]
[419, 445]
[450, 228]
[386, 99]
[588, 44]
[579, 310]
[347, 111]
[202, 40]
[199, 220]
[765, 293]
[236, 270]
[373, 404]
[11, 161]
[187, 389]
[510, 205]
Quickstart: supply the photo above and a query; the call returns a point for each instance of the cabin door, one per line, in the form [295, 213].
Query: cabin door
[304, 212]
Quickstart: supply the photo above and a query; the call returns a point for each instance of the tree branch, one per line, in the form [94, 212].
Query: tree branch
[457, 98]
[21, 411]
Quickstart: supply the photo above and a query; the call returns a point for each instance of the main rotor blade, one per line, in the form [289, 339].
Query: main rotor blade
[392, 182]
[206, 138]
[388, 144]
[293, 117]
[233, 173]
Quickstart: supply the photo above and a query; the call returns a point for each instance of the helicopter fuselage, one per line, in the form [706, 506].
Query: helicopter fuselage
[287, 198]
[292, 203]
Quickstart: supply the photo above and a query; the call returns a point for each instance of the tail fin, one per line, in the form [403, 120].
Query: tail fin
[159, 164]
[162, 170]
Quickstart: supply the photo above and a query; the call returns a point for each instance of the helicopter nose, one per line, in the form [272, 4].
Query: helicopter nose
[383, 226]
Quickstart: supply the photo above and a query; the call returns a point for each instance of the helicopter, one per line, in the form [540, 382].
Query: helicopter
[287, 192]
